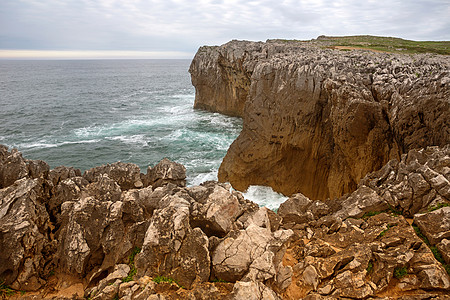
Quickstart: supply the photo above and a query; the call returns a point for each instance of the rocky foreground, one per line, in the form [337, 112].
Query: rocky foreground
[317, 120]
[114, 233]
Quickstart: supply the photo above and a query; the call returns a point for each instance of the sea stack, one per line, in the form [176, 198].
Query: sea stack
[317, 120]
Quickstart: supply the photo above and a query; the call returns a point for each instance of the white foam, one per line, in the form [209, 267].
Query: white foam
[202, 177]
[138, 139]
[44, 144]
[264, 196]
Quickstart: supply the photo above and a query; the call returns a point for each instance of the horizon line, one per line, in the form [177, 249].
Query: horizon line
[18, 54]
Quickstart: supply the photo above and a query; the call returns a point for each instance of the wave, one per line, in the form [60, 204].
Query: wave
[264, 196]
[44, 144]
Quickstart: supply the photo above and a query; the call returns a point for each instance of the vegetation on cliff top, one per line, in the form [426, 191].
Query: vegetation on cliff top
[385, 44]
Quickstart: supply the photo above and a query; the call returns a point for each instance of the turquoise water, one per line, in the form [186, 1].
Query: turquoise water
[88, 113]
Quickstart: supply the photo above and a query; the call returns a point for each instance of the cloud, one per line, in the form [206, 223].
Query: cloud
[177, 25]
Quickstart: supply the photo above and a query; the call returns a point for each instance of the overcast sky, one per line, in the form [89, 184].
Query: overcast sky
[176, 28]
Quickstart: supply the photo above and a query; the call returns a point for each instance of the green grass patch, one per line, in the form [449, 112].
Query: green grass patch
[389, 44]
[371, 214]
[160, 279]
[389, 226]
[219, 280]
[133, 269]
[369, 268]
[5, 291]
[400, 272]
[438, 206]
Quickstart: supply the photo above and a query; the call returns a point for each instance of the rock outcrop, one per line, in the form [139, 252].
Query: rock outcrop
[316, 121]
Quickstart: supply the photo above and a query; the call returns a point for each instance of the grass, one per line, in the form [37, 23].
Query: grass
[438, 206]
[388, 44]
[219, 280]
[369, 267]
[5, 290]
[371, 214]
[400, 272]
[389, 226]
[133, 270]
[160, 279]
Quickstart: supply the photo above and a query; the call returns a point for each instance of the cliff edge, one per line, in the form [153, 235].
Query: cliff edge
[317, 120]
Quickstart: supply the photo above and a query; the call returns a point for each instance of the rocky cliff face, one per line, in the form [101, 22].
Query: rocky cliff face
[113, 233]
[318, 120]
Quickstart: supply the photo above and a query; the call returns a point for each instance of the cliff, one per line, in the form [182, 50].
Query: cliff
[317, 120]
[115, 233]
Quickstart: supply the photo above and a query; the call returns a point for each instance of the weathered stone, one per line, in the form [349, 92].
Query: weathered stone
[249, 254]
[167, 171]
[61, 173]
[12, 166]
[444, 248]
[435, 225]
[171, 248]
[25, 244]
[127, 175]
[252, 291]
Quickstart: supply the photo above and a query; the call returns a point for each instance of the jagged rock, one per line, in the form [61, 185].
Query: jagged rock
[127, 175]
[96, 234]
[12, 166]
[61, 173]
[216, 215]
[444, 248]
[416, 182]
[300, 209]
[37, 168]
[25, 244]
[249, 254]
[67, 190]
[316, 121]
[171, 247]
[104, 189]
[252, 291]
[167, 171]
[435, 225]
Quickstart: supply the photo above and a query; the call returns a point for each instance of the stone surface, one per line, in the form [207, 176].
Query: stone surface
[316, 121]
[435, 225]
[126, 175]
[165, 172]
[12, 166]
[26, 247]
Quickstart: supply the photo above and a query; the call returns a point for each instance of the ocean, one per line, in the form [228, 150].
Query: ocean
[85, 113]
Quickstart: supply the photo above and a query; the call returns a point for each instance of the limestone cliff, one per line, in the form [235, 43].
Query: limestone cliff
[318, 120]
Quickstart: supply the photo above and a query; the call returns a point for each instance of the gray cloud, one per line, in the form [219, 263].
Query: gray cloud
[177, 25]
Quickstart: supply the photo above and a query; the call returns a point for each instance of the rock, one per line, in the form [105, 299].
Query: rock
[218, 212]
[61, 173]
[167, 171]
[249, 254]
[25, 244]
[96, 234]
[127, 175]
[316, 120]
[12, 166]
[253, 291]
[299, 209]
[67, 190]
[444, 248]
[37, 168]
[435, 225]
[171, 247]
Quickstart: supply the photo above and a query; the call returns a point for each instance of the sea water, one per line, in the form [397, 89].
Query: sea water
[85, 113]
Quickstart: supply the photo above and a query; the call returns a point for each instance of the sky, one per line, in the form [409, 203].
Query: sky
[177, 28]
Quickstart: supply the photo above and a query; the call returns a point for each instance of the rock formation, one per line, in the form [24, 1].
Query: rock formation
[316, 120]
[67, 236]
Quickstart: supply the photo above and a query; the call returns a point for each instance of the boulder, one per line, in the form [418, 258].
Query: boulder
[434, 225]
[127, 175]
[26, 248]
[12, 166]
[251, 254]
[253, 291]
[167, 171]
[171, 247]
